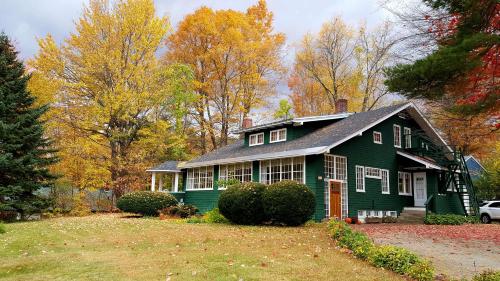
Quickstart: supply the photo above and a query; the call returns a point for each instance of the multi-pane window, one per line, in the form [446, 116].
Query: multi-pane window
[200, 178]
[377, 137]
[407, 133]
[385, 181]
[278, 135]
[360, 178]
[256, 139]
[397, 135]
[336, 169]
[404, 183]
[240, 171]
[276, 170]
[372, 172]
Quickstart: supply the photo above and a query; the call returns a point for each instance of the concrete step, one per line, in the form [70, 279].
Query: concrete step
[412, 215]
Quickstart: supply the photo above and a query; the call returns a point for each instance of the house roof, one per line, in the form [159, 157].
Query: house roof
[428, 163]
[317, 142]
[297, 120]
[167, 166]
[470, 157]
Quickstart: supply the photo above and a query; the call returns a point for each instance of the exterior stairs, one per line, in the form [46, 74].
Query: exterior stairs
[412, 215]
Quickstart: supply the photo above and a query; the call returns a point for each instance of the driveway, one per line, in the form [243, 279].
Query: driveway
[456, 251]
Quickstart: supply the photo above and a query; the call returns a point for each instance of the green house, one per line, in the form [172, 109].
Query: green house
[375, 163]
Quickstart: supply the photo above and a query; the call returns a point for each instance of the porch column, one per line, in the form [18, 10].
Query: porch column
[153, 181]
[160, 186]
[176, 182]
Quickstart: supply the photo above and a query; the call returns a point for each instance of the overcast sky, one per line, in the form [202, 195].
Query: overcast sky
[26, 20]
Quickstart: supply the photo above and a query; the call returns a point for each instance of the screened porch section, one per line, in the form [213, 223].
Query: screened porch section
[166, 177]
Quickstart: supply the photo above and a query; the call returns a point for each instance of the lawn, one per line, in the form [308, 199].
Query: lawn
[110, 247]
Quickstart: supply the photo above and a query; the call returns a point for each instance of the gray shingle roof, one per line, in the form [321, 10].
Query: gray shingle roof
[166, 166]
[315, 142]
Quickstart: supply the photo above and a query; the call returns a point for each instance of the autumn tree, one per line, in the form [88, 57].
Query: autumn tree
[284, 110]
[25, 153]
[340, 62]
[110, 95]
[461, 67]
[235, 57]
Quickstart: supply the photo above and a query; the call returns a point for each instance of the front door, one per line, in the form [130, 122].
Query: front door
[335, 210]
[420, 189]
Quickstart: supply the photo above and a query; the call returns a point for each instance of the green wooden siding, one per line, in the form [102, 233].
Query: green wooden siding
[363, 151]
[314, 169]
[448, 203]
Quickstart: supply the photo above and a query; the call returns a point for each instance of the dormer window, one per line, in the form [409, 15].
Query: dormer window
[256, 139]
[278, 135]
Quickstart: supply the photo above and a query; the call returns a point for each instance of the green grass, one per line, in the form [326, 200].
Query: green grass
[108, 247]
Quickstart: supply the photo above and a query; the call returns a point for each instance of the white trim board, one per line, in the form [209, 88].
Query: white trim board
[427, 164]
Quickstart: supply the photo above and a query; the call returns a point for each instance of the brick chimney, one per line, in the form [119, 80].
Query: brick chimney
[247, 123]
[341, 106]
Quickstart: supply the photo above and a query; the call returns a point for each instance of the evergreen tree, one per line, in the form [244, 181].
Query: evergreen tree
[25, 153]
[463, 71]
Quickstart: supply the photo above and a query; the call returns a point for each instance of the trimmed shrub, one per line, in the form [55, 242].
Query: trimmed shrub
[488, 275]
[214, 216]
[289, 203]
[449, 219]
[181, 211]
[242, 203]
[396, 259]
[145, 202]
[2, 228]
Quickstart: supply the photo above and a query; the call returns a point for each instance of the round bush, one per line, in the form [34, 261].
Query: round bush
[145, 202]
[242, 203]
[288, 202]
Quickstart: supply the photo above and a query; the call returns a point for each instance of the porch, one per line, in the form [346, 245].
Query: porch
[167, 177]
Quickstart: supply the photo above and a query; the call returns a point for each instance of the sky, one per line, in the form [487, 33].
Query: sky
[24, 21]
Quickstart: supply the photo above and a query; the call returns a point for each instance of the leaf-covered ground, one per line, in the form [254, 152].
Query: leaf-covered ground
[456, 251]
[460, 233]
[108, 247]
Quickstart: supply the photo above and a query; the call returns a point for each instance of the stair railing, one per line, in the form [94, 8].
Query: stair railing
[427, 203]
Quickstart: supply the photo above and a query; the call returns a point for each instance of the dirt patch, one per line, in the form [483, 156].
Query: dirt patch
[456, 251]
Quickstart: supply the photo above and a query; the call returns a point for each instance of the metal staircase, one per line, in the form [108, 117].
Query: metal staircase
[457, 174]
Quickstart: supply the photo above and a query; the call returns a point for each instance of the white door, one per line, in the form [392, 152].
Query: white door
[420, 189]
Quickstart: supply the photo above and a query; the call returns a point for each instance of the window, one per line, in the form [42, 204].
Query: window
[397, 136]
[276, 170]
[240, 171]
[407, 132]
[372, 172]
[336, 169]
[385, 181]
[256, 139]
[200, 178]
[377, 137]
[404, 183]
[494, 205]
[278, 135]
[360, 179]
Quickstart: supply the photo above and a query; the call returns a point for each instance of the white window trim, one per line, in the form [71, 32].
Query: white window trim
[407, 134]
[362, 177]
[199, 189]
[377, 133]
[382, 180]
[278, 133]
[410, 189]
[220, 187]
[256, 139]
[398, 136]
[292, 171]
[370, 176]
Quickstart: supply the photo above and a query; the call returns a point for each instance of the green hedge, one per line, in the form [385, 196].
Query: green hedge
[396, 259]
[2, 228]
[145, 202]
[449, 219]
[289, 203]
[242, 203]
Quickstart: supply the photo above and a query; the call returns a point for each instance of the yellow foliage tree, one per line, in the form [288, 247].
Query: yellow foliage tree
[108, 94]
[234, 56]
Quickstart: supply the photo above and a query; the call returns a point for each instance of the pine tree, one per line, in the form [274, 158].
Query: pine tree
[25, 153]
